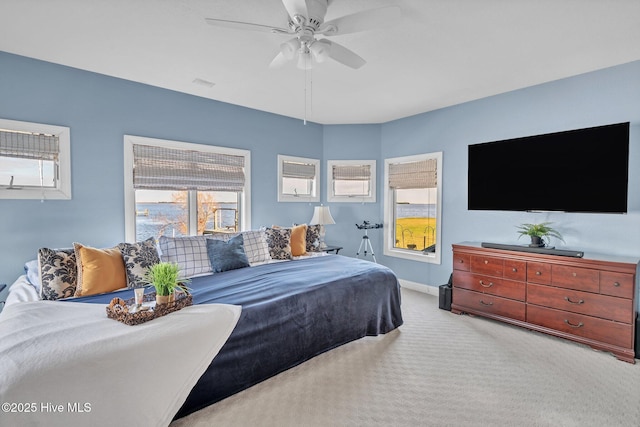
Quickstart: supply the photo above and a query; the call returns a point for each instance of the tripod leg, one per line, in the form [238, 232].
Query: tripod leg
[372, 254]
[360, 248]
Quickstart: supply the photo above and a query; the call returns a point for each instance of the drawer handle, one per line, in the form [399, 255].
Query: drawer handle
[538, 273]
[486, 262]
[486, 286]
[575, 274]
[515, 270]
[579, 325]
[461, 261]
[616, 284]
[486, 303]
[574, 302]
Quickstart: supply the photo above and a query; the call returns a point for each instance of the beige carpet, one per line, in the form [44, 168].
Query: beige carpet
[442, 369]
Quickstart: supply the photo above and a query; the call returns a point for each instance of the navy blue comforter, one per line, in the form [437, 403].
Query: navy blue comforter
[291, 312]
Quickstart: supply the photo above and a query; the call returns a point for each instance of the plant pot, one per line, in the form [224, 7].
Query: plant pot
[536, 242]
[165, 299]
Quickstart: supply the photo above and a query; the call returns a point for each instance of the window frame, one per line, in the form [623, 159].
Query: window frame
[62, 190]
[244, 199]
[389, 208]
[315, 197]
[332, 197]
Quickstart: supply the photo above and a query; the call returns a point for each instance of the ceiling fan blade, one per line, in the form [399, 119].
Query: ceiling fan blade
[362, 21]
[343, 55]
[296, 7]
[278, 61]
[237, 25]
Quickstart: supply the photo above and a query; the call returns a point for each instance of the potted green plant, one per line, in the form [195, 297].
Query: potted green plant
[539, 233]
[165, 277]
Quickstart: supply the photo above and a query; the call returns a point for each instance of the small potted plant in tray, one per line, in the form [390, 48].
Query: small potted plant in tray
[165, 277]
[539, 233]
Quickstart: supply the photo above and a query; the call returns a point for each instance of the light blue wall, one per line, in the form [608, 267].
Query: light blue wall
[598, 98]
[100, 110]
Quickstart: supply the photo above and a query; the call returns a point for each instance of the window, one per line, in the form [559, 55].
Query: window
[298, 179]
[180, 189]
[35, 161]
[351, 181]
[412, 207]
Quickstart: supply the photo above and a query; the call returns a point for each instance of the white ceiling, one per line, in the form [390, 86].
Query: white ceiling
[442, 52]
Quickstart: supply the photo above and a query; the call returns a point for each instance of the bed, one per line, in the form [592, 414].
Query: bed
[291, 312]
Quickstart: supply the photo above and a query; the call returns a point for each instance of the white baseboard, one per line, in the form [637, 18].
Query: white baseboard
[420, 287]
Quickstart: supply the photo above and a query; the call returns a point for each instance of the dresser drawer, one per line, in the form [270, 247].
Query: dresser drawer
[489, 304]
[616, 284]
[602, 306]
[538, 272]
[487, 265]
[516, 270]
[618, 334]
[489, 285]
[582, 279]
[461, 262]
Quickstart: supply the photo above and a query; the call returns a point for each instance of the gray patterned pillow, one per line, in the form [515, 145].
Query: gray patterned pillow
[138, 257]
[190, 253]
[58, 273]
[279, 241]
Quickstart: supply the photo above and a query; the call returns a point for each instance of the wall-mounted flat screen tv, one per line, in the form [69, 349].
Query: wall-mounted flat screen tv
[584, 170]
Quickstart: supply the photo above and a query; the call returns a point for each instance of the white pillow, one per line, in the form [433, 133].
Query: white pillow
[32, 269]
[190, 253]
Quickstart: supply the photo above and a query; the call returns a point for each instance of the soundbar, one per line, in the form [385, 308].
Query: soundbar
[521, 248]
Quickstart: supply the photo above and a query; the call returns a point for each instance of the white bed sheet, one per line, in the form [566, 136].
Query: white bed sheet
[67, 364]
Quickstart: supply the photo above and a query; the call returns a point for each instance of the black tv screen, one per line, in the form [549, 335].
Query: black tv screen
[584, 170]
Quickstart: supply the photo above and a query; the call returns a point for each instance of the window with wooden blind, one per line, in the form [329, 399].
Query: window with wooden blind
[34, 161]
[298, 179]
[351, 181]
[413, 206]
[176, 188]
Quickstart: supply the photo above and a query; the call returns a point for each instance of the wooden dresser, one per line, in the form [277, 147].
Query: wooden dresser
[590, 300]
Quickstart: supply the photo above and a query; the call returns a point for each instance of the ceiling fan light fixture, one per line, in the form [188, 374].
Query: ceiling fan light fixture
[290, 48]
[321, 50]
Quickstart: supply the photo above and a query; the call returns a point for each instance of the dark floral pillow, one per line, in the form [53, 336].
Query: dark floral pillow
[138, 257]
[58, 273]
[313, 238]
[279, 242]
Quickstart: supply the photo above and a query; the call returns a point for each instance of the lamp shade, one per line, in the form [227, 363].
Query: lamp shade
[322, 216]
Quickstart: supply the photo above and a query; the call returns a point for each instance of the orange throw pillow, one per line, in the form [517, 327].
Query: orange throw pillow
[299, 240]
[99, 270]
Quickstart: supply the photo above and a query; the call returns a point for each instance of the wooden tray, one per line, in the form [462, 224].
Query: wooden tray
[125, 310]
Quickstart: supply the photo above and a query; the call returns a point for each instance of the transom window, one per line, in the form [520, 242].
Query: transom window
[34, 161]
[351, 181]
[178, 189]
[413, 201]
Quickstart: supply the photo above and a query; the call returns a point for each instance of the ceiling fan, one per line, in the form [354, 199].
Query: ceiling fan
[306, 21]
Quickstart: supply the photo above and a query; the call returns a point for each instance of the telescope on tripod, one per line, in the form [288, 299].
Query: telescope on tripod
[365, 243]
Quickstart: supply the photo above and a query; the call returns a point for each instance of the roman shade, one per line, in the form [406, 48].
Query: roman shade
[298, 170]
[351, 172]
[419, 174]
[161, 168]
[26, 145]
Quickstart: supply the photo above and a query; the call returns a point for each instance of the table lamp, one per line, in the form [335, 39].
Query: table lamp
[322, 216]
